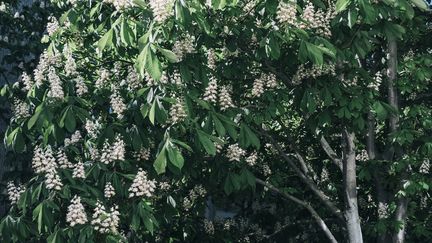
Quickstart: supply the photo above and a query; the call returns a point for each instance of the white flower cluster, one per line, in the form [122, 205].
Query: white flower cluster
[93, 127]
[318, 20]
[56, 90]
[211, 59]
[52, 25]
[143, 154]
[142, 186]
[162, 9]
[103, 78]
[120, 5]
[117, 104]
[183, 47]
[210, 92]
[45, 62]
[362, 156]
[176, 78]
[286, 13]
[14, 192]
[377, 80]
[62, 159]
[225, 100]
[80, 86]
[104, 221]
[20, 109]
[425, 166]
[177, 112]
[75, 138]
[78, 171]
[109, 190]
[133, 80]
[314, 72]
[41, 159]
[197, 192]
[209, 227]
[264, 81]
[325, 176]
[76, 213]
[266, 170]
[235, 153]
[116, 151]
[252, 159]
[70, 66]
[27, 81]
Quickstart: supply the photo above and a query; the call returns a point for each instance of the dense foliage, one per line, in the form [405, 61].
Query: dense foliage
[170, 120]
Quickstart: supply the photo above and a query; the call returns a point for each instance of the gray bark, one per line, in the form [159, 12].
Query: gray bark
[350, 189]
[304, 204]
[402, 202]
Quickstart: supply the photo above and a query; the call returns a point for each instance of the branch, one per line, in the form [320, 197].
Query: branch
[331, 153]
[309, 182]
[304, 204]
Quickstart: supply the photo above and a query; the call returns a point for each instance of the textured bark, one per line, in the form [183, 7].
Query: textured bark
[350, 189]
[304, 204]
[331, 153]
[307, 180]
[402, 203]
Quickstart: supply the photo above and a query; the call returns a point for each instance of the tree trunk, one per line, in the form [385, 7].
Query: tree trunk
[402, 202]
[350, 189]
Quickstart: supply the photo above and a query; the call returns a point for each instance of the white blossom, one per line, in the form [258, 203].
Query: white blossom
[27, 81]
[210, 93]
[225, 100]
[252, 159]
[105, 221]
[14, 192]
[235, 153]
[62, 159]
[56, 90]
[52, 25]
[20, 109]
[103, 78]
[117, 104]
[142, 186]
[209, 227]
[78, 171]
[80, 86]
[111, 153]
[120, 5]
[74, 139]
[211, 59]
[177, 112]
[162, 9]
[92, 128]
[109, 190]
[143, 154]
[76, 213]
[286, 13]
[183, 47]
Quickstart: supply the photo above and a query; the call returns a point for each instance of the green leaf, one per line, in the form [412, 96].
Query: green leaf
[219, 126]
[148, 61]
[206, 142]
[421, 4]
[126, 33]
[32, 121]
[152, 112]
[160, 162]
[105, 41]
[314, 53]
[170, 56]
[70, 122]
[341, 5]
[175, 157]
